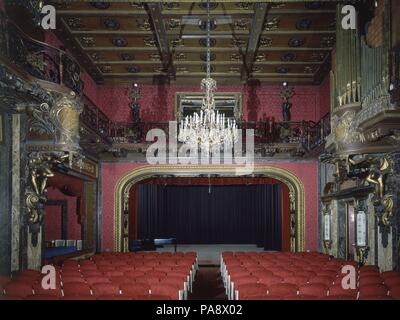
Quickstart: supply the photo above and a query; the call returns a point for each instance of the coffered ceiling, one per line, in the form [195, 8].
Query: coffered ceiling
[149, 42]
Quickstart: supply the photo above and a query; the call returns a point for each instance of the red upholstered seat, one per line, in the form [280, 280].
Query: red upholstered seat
[263, 297]
[136, 289]
[316, 290]
[71, 263]
[301, 297]
[4, 280]
[322, 280]
[392, 282]
[113, 273]
[76, 289]
[43, 297]
[367, 280]
[18, 289]
[99, 289]
[93, 280]
[395, 292]
[249, 290]
[165, 290]
[244, 280]
[338, 290]
[66, 273]
[339, 297]
[11, 297]
[377, 297]
[282, 289]
[296, 280]
[153, 297]
[79, 297]
[390, 274]
[38, 290]
[270, 280]
[283, 273]
[113, 297]
[72, 279]
[373, 290]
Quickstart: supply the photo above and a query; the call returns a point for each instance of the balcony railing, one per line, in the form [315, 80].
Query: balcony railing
[39, 59]
[307, 133]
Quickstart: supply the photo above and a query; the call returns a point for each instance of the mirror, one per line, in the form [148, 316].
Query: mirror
[187, 103]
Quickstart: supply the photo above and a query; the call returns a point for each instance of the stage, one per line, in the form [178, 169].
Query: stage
[209, 254]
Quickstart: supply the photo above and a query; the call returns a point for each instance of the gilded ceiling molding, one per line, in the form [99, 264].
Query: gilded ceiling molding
[121, 193]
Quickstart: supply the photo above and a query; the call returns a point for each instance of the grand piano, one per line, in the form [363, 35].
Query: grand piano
[151, 244]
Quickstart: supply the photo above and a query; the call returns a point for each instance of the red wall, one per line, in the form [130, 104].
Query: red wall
[157, 102]
[53, 217]
[306, 171]
[324, 98]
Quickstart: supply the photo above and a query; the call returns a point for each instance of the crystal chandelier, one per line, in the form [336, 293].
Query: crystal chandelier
[208, 130]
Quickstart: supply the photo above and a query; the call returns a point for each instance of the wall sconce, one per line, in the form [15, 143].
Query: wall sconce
[135, 96]
[327, 220]
[362, 247]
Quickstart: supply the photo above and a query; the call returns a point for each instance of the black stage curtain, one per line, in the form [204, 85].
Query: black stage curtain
[236, 214]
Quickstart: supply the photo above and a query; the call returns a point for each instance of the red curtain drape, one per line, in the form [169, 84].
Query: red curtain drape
[71, 187]
[133, 199]
[133, 203]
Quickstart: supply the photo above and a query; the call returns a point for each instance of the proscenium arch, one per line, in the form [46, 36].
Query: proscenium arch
[296, 192]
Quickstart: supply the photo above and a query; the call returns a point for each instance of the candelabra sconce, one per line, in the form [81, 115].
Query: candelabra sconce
[361, 247]
[327, 221]
[135, 96]
[327, 246]
[362, 254]
[286, 94]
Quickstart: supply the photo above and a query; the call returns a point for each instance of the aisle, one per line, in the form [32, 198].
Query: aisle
[208, 285]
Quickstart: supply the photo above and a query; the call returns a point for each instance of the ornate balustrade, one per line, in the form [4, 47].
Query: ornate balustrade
[307, 133]
[38, 59]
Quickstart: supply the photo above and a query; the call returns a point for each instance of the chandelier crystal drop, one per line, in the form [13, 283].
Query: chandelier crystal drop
[208, 130]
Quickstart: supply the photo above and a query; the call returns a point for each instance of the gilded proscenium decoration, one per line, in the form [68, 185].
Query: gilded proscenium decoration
[40, 169]
[296, 188]
[60, 119]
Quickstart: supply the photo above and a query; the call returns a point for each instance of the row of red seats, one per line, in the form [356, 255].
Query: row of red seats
[301, 276]
[87, 279]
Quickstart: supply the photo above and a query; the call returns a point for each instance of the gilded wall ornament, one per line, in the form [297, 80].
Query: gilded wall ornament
[149, 42]
[261, 57]
[234, 69]
[244, 5]
[88, 41]
[171, 5]
[241, 24]
[155, 56]
[39, 170]
[238, 42]
[173, 23]
[143, 24]
[265, 42]
[75, 23]
[272, 24]
[327, 41]
[180, 56]
[235, 57]
[178, 42]
[106, 69]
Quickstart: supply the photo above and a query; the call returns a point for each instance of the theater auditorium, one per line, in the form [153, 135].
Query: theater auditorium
[200, 150]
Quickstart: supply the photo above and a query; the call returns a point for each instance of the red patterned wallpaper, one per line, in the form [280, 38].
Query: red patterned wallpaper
[306, 171]
[157, 102]
[53, 217]
[324, 98]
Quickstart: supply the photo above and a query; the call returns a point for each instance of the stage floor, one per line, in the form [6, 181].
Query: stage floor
[210, 254]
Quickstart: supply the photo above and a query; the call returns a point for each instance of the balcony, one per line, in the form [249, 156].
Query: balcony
[37, 59]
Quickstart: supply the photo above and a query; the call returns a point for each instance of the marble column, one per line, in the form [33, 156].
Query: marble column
[34, 253]
[16, 192]
[5, 194]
